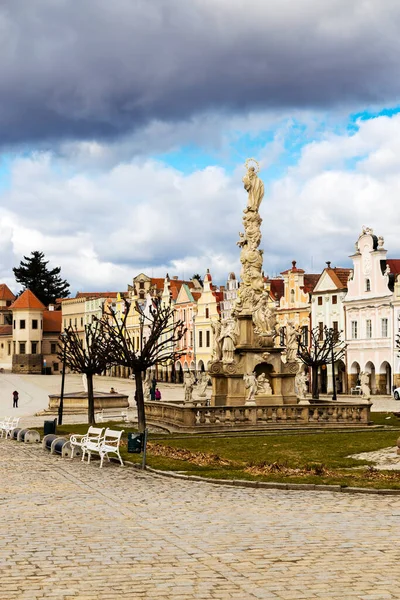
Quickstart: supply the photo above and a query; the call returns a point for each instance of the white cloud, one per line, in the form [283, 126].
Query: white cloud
[104, 227]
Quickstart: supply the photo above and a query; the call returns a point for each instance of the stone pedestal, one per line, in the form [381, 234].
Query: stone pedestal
[253, 354]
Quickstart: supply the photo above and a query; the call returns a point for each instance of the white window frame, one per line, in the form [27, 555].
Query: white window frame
[354, 330]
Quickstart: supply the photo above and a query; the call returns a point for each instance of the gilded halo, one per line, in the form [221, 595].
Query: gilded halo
[252, 162]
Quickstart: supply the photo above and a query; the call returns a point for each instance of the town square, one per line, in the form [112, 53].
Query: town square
[199, 300]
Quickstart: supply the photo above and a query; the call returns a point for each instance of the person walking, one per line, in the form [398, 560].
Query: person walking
[15, 399]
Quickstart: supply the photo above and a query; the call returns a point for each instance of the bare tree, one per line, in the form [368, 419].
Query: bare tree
[325, 347]
[90, 356]
[159, 346]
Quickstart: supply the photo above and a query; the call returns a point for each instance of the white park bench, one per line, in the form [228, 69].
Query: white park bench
[8, 425]
[357, 391]
[104, 416]
[93, 434]
[108, 444]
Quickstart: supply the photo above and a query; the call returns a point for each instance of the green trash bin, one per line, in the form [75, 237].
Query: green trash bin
[135, 442]
[49, 427]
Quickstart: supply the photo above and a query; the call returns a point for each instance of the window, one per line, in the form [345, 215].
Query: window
[34, 347]
[65, 323]
[369, 328]
[53, 348]
[200, 339]
[75, 323]
[9, 348]
[207, 338]
[335, 326]
[207, 313]
[292, 296]
[81, 326]
[334, 299]
[141, 285]
[367, 285]
[384, 328]
[70, 321]
[320, 331]
[319, 300]
[354, 330]
[55, 367]
[22, 324]
[22, 348]
[34, 324]
[304, 335]
[184, 314]
[14, 324]
[191, 338]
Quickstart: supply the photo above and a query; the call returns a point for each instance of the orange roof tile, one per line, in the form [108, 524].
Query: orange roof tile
[52, 321]
[95, 295]
[27, 300]
[5, 292]
[394, 264]
[310, 281]
[277, 288]
[5, 329]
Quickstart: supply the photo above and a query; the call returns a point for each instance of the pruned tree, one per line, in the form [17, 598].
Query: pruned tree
[159, 346]
[45, 283]
[90, 356]
[325, 347]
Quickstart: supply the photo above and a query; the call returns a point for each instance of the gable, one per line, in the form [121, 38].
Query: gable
[325, 283]
[184, 295]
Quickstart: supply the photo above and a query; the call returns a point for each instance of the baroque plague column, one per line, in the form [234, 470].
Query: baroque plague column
[247, 368]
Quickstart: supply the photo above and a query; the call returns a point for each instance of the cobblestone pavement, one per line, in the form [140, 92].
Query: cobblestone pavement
[69, 530]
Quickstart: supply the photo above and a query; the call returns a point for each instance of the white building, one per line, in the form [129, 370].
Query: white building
[371, 325]
[230, 294]
[327, 310]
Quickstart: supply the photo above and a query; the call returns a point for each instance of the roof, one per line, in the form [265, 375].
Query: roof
[6, 293]
[52, 321]
[293, 269]
[310, 281]
[27, 300]
[342, 275]
[277, 288]
[95, 295]
[5, 329]
[394, 264]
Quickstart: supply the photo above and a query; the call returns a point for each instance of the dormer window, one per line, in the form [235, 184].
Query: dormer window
[367, 285]
[292, 296]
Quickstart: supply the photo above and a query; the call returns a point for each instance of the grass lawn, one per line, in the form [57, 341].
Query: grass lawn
[288, 457]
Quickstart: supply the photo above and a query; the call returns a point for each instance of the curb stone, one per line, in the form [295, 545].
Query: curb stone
[277, 486]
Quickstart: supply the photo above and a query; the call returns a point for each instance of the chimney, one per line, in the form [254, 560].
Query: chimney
[328, 262]
[175, 277]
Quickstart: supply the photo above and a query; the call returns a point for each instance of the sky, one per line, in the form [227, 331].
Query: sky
[125, 126]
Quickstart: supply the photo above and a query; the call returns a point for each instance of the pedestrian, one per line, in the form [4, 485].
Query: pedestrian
[158, 394]
[15, 399]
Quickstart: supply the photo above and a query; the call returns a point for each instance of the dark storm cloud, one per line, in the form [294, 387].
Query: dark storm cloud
[100, 68]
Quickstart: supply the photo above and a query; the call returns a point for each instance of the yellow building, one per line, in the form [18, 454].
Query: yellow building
[295, 304]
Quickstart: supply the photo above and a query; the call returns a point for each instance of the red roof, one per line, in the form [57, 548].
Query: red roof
[5, 329]
[277, 288]
[342, 275]
[294, 269]
[394, 264]
[94, 295]
[52, 321]
[6, 293]
[310, 281]
[27, 300]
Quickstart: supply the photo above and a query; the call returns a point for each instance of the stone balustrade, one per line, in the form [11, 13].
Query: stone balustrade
[220, 418]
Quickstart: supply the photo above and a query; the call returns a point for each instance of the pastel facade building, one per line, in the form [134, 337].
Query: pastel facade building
[230, 293]
[371, 315]
[327, 310]
[207, 311]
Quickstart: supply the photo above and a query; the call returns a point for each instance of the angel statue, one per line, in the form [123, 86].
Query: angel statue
[189, 381]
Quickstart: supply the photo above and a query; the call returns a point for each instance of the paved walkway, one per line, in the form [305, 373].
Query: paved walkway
[69, 530]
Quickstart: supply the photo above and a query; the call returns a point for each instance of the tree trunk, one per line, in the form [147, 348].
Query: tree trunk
[91, 419]
[314, 378]
[140, 402]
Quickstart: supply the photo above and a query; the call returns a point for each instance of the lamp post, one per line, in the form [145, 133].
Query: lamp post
[334, 397]
[61, 405]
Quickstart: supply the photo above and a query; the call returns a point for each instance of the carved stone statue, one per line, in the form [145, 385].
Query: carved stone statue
[364, 382]
[250, 383]
[301, 383]
[381, 242]
[188, 385]
[292, 340]
[263, 385]
[217, 347]
[84, 382]
[255, 188]
[202, 384]
[264, 316]
[228, 338]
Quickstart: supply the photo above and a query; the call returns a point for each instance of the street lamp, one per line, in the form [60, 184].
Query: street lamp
[61, 405]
